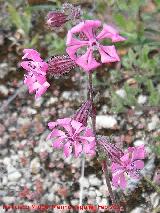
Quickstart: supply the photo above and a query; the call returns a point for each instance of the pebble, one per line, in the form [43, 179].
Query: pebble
[85, 182]
[94, 181]
[138, 210]
[121, 93]
[155, 199]
[35, 166]
[8, 199]
[155, 123]
[139, 142]
[51, 101]
[14, 176]
[105, 121]
[74, 202]
[92, 194]
[4, 90]
[142, 99]
[51, 197]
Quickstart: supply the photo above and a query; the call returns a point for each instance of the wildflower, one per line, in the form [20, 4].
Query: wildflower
[112, 150]
[35, 77]
[56, 19]
[88, 27]
[59, 65]
[72, 136]
[131, 163]
[83, 112]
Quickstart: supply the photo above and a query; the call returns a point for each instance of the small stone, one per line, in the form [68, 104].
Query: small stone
[155, 199]
[4, 90]
[94, 181]
[35, 166]
[155, 123]
[139, 142]
[84, 181]
[8, 199]
[51, 197]
[14, 176]
[138, 210]
[121, 93]
[104, 202]
[98, 193]
[142, 99]
[105, 121]
[52, 101]
[74, 202]
[92, 194]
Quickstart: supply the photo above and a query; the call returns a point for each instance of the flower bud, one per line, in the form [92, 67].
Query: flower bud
[59, 65]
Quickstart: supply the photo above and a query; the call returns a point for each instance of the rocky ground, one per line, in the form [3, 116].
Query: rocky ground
[33, 172]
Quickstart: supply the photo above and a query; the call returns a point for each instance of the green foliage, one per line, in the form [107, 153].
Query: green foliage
[21, 21]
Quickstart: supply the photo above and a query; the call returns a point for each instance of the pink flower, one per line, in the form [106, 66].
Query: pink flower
[35, 77]
[88, 28]
[72, 136]
[131, 163]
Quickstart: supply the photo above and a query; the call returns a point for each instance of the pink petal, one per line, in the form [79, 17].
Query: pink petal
[111, 33]
[35, 67]
[64, 121]
[115, 167]
[89, 148]
[71, 50]
[138, 164]
[88, 132]
[42, 89]
[87, 139]
[115, 181]
[88, 27]
[87, 62]
[122, 181]
[67, 149]
[126, 159]
[138, 152]
[29, 80]
[56, 133]
[76, 126]
[31, 54]
[108, 54]
[74, 42]
[52, 125]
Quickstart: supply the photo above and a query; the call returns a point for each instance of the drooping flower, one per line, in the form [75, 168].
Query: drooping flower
[88, 28]
[59, 65]
[36, 68]
[72, 136]
[110, 149]
[57, 19]
[131, 164]
[83, 112]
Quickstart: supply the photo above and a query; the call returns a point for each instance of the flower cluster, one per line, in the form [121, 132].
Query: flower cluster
[86, 49]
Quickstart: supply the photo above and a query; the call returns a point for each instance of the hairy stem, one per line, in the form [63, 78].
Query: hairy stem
[104, 164]
[106, 174]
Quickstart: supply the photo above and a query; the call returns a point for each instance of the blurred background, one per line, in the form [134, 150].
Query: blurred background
[128, 106]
